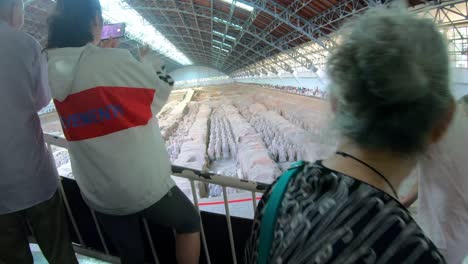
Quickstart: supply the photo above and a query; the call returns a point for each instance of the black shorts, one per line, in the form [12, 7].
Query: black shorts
[173, 210]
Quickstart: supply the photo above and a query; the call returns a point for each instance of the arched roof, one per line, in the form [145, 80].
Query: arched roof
[227, 34]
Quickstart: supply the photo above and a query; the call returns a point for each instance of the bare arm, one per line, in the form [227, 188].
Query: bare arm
[41, 81]
[165, 82]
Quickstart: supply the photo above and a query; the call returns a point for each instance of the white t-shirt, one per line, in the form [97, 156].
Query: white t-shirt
[107, 102]
[443, 191]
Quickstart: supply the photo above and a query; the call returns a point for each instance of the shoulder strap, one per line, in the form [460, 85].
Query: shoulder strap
[272, 207]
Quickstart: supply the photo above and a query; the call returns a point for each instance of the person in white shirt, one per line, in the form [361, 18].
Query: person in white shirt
[28, 178]
[443, 189]
[108, 102]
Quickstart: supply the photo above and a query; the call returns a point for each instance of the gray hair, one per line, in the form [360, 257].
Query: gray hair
[390, 79]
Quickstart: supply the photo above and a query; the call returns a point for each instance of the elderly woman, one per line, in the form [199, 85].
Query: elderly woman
[390, 95]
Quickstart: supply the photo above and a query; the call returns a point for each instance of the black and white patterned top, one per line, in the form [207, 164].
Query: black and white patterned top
[328, 217]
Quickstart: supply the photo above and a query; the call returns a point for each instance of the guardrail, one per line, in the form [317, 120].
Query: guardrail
[177, 171]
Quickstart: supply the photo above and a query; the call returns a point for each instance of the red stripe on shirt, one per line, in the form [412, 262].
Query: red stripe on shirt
[101, 111]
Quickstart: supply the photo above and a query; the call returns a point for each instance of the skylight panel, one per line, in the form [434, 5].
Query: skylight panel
[223, 35]
[140, 29]
[220, 54]
[216, 47]
[240, 5]
[220, 20]
[221, 43]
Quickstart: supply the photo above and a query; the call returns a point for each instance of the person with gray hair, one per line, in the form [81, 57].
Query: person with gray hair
[28, 183]
[390, 94]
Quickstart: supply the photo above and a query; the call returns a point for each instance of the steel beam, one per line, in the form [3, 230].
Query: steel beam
[326, 21]
[291, 10]
[258, 52]
[201, 10]
[226, 28]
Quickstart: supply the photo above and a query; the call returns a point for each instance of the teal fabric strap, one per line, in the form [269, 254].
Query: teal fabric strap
[267, 226]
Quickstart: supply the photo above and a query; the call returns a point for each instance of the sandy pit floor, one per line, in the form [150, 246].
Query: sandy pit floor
[245, 131]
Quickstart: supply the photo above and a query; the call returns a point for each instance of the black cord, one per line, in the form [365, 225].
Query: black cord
[346, 155]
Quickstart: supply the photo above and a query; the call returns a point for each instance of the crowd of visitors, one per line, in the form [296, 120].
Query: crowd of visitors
[393, 107]
[316, 92]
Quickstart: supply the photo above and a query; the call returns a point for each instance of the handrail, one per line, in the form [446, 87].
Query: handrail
[56, 140]
[209, 177]
[188, 173]
[192, 175]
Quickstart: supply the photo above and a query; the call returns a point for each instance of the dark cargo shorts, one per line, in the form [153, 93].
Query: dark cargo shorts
[173, 210]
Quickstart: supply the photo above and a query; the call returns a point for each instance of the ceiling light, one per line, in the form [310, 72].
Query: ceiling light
[140, 29]
[222, 43]
[216, 47]
[240, 5]
[220, 54]
[223, 35]
[217, 19]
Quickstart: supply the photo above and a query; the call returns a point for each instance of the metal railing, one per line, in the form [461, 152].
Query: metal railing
[177, 171]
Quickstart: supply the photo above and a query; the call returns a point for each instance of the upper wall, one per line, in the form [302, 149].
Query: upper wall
[195, 72]
[309, 80]
[192, 76]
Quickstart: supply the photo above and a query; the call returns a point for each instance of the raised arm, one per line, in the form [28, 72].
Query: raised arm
[164, 82]
[41, 90]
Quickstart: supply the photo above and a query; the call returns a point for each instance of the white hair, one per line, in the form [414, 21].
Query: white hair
[390, 79]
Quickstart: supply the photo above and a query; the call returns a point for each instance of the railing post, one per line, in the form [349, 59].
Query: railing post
[65, 200]
[49, 147]
[72, 219]
[254, 202]
[148, 234]
[99, 231]
[195, 201]
[228, 219]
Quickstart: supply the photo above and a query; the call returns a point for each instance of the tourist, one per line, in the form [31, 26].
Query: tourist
[387, 70]
[29, 193]
[108, 101]
[443, 185]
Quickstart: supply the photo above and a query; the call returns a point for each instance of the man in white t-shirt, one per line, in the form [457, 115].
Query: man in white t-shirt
[443, 189]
